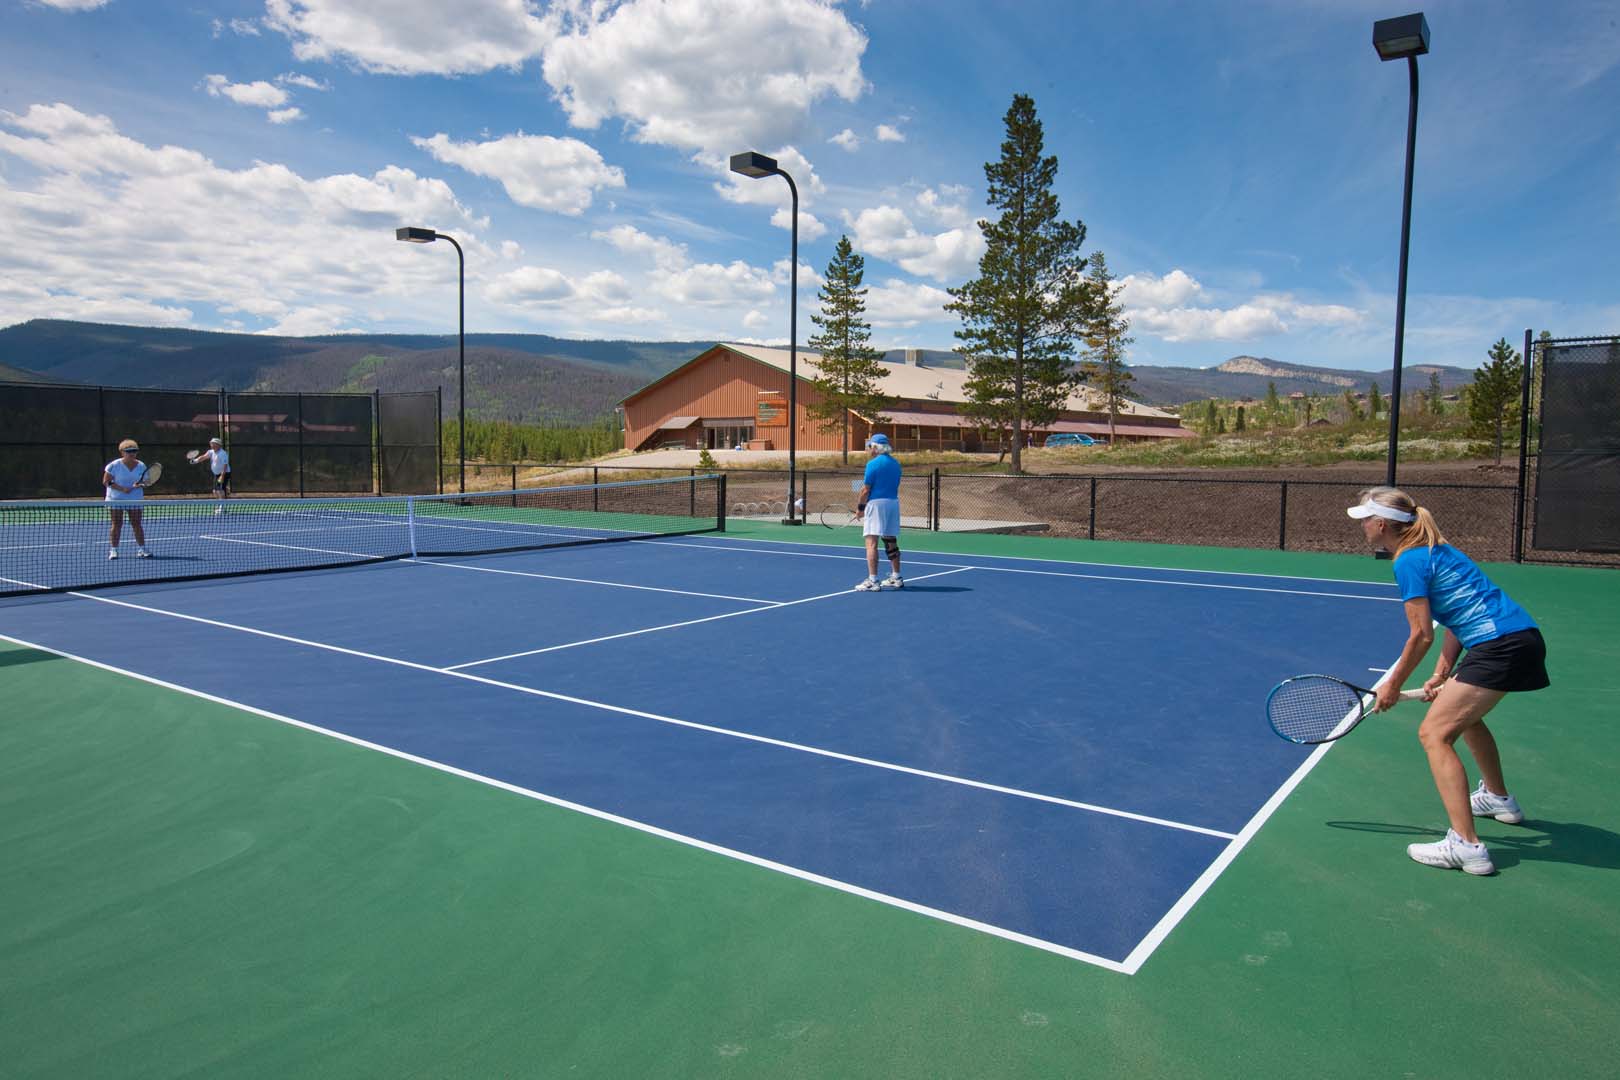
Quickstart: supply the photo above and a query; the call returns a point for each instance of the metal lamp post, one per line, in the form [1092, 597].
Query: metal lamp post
[413, 235]
[758, 165]
[1406, 37]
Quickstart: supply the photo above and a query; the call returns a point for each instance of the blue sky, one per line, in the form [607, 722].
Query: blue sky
[242, 165]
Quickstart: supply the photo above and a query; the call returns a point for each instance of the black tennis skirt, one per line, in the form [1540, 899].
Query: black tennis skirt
[1516, 661]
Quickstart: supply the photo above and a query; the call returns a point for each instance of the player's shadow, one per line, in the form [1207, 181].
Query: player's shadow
[17, 657]
[936, 588]
[1532, 840]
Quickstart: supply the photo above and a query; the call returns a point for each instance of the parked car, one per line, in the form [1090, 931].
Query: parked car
[1069, 438]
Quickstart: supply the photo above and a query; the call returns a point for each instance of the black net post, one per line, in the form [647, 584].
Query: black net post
[1282, 518]
[1524, 447]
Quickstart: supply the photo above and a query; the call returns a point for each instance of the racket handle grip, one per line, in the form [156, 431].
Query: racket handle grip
[1411, 695]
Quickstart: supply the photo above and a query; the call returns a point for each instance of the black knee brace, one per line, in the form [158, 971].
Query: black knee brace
[891, 546]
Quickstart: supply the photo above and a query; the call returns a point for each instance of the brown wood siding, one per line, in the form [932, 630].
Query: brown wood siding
[719, 383]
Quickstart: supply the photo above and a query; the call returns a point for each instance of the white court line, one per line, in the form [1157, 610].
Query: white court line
[588, 581]
[292, 547]
[774, 604]
[671, 720]
[719, 543]
[616, 819]
[1161, 930]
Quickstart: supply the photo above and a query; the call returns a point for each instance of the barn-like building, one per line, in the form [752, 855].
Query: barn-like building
[737, 395]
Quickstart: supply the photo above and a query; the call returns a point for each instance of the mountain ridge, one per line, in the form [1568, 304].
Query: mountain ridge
[528, 378]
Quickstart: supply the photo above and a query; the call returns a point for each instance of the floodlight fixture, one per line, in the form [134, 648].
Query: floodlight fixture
[410, 234]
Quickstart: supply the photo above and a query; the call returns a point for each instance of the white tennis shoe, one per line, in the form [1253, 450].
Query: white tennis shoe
[112, 553]
[893, 581]
[142, 553]
[1487, 803]
[869, 585]
[1453, 853]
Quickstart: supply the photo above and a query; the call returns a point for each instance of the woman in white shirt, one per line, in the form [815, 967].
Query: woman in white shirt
[122, 480]
[218, 461]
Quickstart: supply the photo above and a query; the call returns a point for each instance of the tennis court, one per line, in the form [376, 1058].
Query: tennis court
[687, 805]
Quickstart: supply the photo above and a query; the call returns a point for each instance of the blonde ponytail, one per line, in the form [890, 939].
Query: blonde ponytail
[1420, 531]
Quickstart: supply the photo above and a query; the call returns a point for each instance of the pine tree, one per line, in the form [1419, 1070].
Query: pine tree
[849, 369]
[1375, 401]
[1105, 329]
[1022, 314]
[1434, 394]
[1494, 395]
[1273, 405]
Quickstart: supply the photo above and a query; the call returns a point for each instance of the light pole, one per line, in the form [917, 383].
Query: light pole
[1406, 37]
[412, 235]
[758, 165]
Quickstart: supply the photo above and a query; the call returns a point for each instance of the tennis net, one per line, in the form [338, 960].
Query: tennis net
[55, 546]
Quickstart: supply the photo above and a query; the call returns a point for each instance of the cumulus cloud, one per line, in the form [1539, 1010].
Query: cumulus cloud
[945, 204]
[293, 78]
[901, 304]
[664, 253]
[239, 27]
[73, 5]
[846, 139]
[414, 37]
[888, 133]
[714, 285]
[708, 75]
[258, 94]
[547, 173]
[107, 227]
[284, 116]
[888, 233]
[1164, 306]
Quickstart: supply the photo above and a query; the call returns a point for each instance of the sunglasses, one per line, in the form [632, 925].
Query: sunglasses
[130, 450]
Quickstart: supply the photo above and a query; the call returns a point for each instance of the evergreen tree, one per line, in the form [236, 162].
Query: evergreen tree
[1240, 425]
[1273, 405]
[1494, 396]
[849, 369]
[1105, 328]
[1375, 401]
[1352, 410]
[1434, 394]
[1022, 314]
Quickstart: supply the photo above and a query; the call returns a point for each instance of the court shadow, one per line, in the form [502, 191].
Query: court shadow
[1533, 840]
[18, 657]
[936, 588]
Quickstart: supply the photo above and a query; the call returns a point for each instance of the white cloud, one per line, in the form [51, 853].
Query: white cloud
[901, 304]
[664, 253]
[714, 75]
[1172, 290]
[259, 95]
[293, 78]
[714, 285]
[111, 228]
[945, 205]
[846, 139]
[239, 27]
[886, 232]
[888, 133]
[73, 5]
[414, 37]
[601, 298]
[755, 319]
[809, 279]
[810, 228]
[1208, 324]
[769, 190]
[547, 173]
[284, 116]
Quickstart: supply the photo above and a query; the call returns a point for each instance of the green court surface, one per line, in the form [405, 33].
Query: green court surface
[190, 889]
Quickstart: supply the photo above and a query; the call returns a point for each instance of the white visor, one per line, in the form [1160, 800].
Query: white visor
[1368, 508]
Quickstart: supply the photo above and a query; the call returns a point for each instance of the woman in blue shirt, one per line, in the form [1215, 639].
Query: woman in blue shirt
[1439, 584]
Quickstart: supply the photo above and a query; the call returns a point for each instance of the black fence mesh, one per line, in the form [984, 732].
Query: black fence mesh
[1576, 497]
[408, 443]
[55, 440]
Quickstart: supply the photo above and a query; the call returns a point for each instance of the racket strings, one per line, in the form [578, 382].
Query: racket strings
[1311, 710]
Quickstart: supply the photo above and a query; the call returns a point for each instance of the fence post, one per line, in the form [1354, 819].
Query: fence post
[300, 423]
[1524, 449]
[1091, 516]
[596, 496]
[376, 439]
[438, 447]
[720, 508]
[935, 499]
[1282, 520]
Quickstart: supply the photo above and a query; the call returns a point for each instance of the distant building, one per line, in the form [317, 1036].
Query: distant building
[731, 395]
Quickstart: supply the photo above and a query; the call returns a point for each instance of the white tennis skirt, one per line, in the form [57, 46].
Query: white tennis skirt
[882, 517]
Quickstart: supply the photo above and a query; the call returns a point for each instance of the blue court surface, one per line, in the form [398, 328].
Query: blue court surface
[1064, 754]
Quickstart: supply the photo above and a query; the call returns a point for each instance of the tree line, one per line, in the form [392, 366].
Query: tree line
[503, 441]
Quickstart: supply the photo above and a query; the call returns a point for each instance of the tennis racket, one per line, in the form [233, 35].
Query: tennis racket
[193, 455]
[150, 475]
[838, 517]
[1311, 709]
